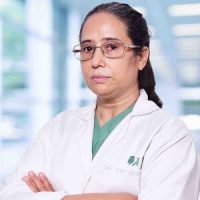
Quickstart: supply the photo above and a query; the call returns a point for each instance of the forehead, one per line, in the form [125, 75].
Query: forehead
[104, 25]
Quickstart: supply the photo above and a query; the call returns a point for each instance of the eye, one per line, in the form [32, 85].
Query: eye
[87, 48]
[112, 46]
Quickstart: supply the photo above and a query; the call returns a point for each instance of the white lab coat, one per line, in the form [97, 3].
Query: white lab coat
[149, 154]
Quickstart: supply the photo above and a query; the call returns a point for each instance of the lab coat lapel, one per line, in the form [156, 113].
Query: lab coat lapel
[84, 142]
[84, 136]
[113, 139]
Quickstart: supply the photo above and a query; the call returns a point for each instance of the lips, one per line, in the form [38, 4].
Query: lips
[99, 78]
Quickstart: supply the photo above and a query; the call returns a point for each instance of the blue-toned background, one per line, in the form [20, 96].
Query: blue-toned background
[39, 75]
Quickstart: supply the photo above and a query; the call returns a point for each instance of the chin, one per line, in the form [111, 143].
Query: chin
[99, 90]
[101, 93]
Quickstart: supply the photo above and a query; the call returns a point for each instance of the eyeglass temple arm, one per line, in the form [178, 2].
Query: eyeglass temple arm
[76, 51]
[132, 46]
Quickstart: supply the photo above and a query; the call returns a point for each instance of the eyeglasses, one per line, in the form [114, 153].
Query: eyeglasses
[110, 49]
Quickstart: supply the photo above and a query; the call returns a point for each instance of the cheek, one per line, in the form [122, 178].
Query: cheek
[85, 71]
[86, 74]
[125, 69]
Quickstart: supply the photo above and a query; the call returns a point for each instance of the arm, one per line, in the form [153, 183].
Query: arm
[171, 167]
[101, 196]
[35, 159]
[39, 183]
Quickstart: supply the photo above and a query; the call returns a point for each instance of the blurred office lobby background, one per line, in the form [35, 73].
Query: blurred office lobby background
[40, 76]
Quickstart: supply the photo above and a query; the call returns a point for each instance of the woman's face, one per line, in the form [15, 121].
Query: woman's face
[109, 78]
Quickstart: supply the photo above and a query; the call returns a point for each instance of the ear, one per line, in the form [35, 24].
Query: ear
[143, 57]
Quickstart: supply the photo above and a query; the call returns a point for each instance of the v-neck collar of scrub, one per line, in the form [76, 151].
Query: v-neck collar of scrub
[101, 133]
[116, 118]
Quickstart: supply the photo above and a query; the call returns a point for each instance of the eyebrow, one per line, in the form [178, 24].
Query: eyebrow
[85, 41]
[104, 39]
[110, 39]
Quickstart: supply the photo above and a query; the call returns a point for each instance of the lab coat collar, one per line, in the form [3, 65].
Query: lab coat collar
[142, 106]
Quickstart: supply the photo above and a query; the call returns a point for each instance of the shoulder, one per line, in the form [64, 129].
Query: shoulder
[83, 113]
[166, 127]
[159, 122]
[168, 121]
[62, 122]
[168, 135]
[168, 132]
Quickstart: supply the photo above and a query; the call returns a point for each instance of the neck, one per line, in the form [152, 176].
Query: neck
[107, 109]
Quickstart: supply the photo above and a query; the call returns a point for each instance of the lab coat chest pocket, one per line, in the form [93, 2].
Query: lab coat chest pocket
[120, 178]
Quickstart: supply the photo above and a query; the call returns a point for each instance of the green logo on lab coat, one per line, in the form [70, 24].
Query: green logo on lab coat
[133, 161]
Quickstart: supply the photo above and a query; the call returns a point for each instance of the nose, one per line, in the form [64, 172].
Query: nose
[98, 58]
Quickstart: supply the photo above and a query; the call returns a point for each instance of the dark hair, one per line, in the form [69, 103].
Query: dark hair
[138, 31]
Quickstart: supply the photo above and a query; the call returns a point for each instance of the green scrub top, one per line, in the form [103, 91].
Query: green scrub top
[102, 132]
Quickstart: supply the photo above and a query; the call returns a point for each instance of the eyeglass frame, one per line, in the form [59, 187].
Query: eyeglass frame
[132, 46]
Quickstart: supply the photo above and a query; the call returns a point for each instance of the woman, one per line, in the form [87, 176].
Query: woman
[123, 147]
